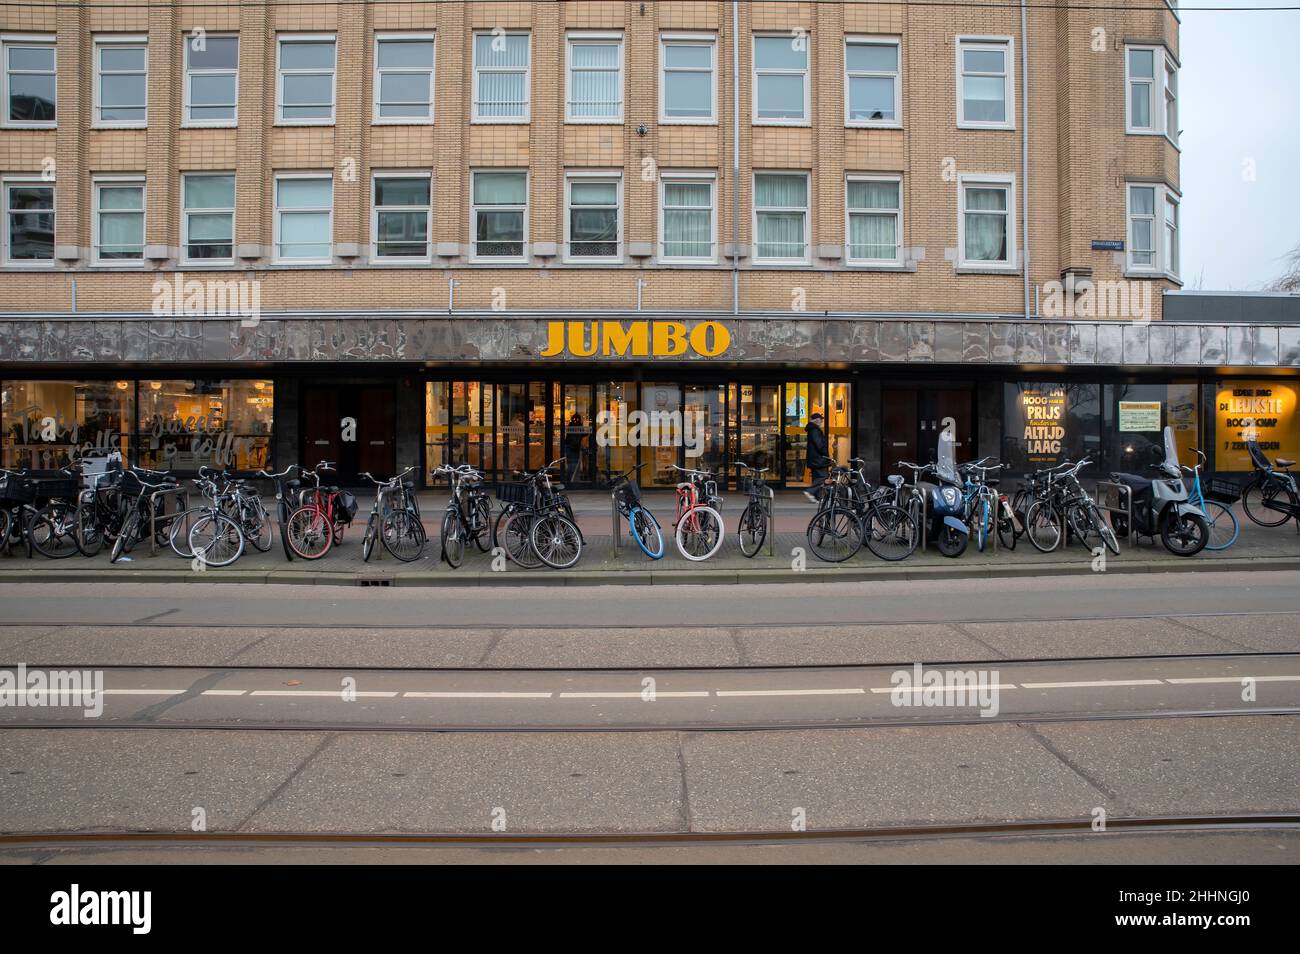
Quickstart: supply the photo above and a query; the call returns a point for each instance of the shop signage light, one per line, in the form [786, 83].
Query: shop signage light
[640, 339]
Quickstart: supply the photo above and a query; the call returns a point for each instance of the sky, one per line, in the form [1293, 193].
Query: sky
[1239, 102]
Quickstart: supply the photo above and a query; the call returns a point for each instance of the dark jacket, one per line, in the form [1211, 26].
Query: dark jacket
[818, 449]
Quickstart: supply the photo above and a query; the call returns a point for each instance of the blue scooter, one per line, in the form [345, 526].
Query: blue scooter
[944, 503]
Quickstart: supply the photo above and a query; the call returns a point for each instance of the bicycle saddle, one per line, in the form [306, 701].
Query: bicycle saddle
[1283, 462]
[408, 484]
[895, 479]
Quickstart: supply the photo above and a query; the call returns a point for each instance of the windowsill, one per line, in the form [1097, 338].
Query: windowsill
[513, 262]
[207, 264]
[303, 263]
[105, 126]
[967, 268]
[687, 262]
[1152, 275]
[988, 127]
[592, 262]
[879, 267]
[116, 266]
[221, 125]
[29, 126]
[790, 123]
[594, 122]
[29, 266]
[873, 125]
[478, 121]
[400, 262]
[291, 123]
[401, 122]
[687, 122]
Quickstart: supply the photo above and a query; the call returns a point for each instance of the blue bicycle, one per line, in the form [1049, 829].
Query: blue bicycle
[644, 526]
[1217, 507]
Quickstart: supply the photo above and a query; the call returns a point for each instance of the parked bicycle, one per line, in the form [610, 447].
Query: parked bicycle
[640, 521]
[1270, 497]
[1067, 510]
[468, 515]
[216, 538]
[698, 528]
[288, 494]
[40, 511]
[140, 495]
[755, 522]
[321, 517]
[1216, 503]
[878, 521]
[537, 525]
[983, 503]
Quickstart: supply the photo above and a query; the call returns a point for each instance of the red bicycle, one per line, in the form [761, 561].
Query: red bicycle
[321, 517]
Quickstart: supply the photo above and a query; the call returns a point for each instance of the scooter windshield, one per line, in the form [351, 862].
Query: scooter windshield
[1170, 465]
[946, 462]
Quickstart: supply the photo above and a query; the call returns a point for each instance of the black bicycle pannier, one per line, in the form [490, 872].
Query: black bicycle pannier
[348, 505]
[16, 490]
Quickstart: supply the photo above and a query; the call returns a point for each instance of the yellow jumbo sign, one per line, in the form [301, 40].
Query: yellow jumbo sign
[641, 339]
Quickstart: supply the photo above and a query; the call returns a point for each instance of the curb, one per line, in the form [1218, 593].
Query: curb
[647, 577]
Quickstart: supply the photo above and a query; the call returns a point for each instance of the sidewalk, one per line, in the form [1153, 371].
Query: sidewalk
[1276, 548]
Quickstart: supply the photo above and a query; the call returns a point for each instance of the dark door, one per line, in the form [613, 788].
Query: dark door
[913, 419]
[899, 429]
[352, 426]
[941, 410]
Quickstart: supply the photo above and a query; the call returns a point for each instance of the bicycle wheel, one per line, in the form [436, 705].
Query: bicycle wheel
[983, 521]
[1104, 530]
[1043, 525]
[216, 540]
[1007, 532]
[699, 533]
[834, 535]
[368, 538]
[178, 534]
[6, 525]
[891, 533]
[1080, 525]
[1223, 525]
[453, 537]
[310, 535]
[89, 536]
[256, 524]
[753, 528]
[126, 537]
[646, 533]
[556, 541]
[53, 531]
[1258, 494]
[515, 537]
[403, 536]
[482, 527]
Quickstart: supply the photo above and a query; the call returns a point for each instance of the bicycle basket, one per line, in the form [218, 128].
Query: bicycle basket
[347, 505]
[1224, 491]
[515, 492]
[17, 490]
[631, 492]
[57, 485]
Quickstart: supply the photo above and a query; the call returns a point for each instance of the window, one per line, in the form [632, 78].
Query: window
[875, 220]
[500, 215]
[119, 221]
[305, 94]
[184, 425]
[781, 80]
[984, 84]
[401, 216]
[28, 222]
[121, 81]
[781, 217]
[985, 220]
[687, 226]
[208, 220]
[404, 79]
[592, 226]
[501, 77]
[211, 80]
[1152, 103]
[871, 83]
[29, 81]
[304, 218]
[86, 416]
[1152, 241]
[595, 78]
[687, 92]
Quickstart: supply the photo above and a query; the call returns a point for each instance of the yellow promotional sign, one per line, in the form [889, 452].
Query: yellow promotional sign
[1263, 411]
[640, 339]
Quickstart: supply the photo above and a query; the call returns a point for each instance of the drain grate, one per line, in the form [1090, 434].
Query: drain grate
[375, 581]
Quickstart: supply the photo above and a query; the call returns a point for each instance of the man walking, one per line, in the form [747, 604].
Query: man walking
[819, 460]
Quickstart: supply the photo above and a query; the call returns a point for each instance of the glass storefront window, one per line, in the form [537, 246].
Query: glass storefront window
[1046, 423]
[51, 424]
[436, 415]
[704, 424]
[1261, 410]
[615, 402]
[185, 425]
[576, 420]
[839, 422]
[1136, 415]
[663, 402]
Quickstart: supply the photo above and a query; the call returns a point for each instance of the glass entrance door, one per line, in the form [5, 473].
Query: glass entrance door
[662, 434]
[755, 426]
[577, 434]
[704, 424]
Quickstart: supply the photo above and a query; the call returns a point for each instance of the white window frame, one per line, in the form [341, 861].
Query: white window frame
[185, 221]
[280, 40]
[475, 118]
[277, 178]
[429, 120]
[1158, 96]
[613, 176]
[98, 182]
[848, 214]
[703, 177]
[806, 210]
[473, 217]
[806, 73]
[995, 180]
[689, 39]
[1165, 264]
[5, 238]
[9, 40]
[100, 42]
[867, 40]
[595, 39]
[375, 257]
[1005, 45]
[186, 119]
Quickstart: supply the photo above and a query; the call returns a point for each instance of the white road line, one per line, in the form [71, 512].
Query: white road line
[224, 692]
[852, 691]
[145, 692]
[917, 690]
[633, 695]
[1095, 684]
[477, 695]
[320, 693]
[1232, 679]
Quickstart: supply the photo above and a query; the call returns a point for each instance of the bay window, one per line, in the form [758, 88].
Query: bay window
[1151, 106]
[1152, 229]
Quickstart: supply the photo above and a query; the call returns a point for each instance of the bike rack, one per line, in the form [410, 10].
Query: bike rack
[1125, 492]
[616, 524]
[174, 493]
[768, 505]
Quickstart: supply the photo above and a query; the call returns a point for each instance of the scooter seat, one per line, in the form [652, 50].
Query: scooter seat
[1283, 462]
[1132, 480]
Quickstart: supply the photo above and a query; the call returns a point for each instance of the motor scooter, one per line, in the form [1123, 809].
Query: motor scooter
[1161, 507]
[944, 502]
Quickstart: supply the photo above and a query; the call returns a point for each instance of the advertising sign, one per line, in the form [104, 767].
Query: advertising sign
[1143, 416]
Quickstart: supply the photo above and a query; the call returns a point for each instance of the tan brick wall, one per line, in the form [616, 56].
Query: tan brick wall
[1080, 156]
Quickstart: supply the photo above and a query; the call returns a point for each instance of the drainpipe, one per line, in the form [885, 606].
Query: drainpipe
[735, 157]
[1024, 149]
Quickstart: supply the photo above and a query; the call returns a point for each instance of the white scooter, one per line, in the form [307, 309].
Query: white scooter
[1160, 506]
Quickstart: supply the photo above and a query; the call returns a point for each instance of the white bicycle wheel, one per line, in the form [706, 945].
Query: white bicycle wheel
[699, 533]
[216, 540]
